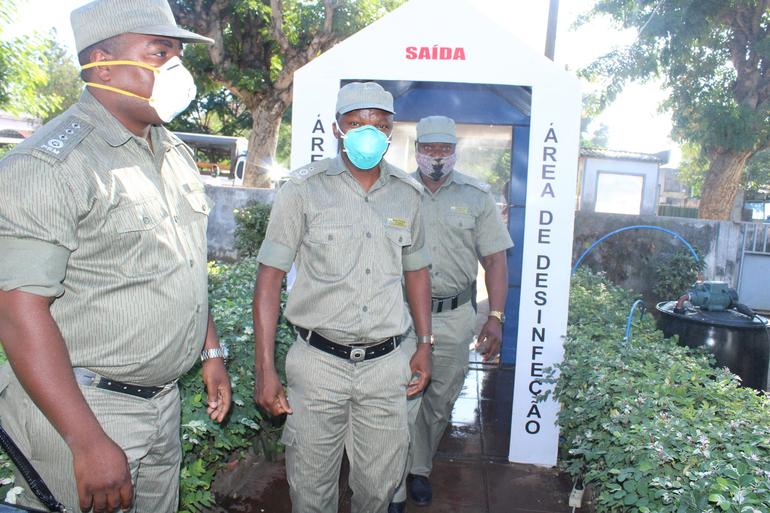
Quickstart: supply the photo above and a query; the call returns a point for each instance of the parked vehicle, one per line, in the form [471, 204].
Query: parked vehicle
[221, 159]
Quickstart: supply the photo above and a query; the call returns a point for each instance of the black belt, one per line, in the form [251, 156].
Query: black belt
[89, 378]
[352, 353]
[445, 304]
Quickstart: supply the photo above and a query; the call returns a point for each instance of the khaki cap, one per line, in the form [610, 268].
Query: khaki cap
[103, 19]
[364, 95]
[436, 129]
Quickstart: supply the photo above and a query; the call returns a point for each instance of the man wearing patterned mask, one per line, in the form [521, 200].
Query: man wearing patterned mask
[103, 286]
[353, 227]
[462, 227]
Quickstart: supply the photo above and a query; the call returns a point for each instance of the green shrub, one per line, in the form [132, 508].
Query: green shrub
[207, 445]
[652, 425]
[675, 274]
[250, 226]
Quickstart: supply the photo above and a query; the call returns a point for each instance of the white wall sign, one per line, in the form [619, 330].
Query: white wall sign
[467, 47]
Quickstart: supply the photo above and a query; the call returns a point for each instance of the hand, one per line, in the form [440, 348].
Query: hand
[218, 388]
[102, 476]
[420, 365]
[488, 341]
[269, 393]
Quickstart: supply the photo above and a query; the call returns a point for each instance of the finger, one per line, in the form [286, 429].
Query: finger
[86, 500]
[113, 500]
[100, 503]
[284, 403]
[226, 397]
[126, 496]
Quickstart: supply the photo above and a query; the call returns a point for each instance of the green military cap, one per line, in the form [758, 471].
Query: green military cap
[364, 95]
[103, 19]
[436, 129]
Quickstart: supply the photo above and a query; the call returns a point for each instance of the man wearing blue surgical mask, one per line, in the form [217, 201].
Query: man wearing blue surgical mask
[353, 227]
[103, 286]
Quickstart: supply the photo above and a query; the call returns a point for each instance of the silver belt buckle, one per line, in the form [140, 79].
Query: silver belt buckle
[357, 354]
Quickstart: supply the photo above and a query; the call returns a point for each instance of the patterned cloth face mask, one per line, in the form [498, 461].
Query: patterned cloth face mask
[172, 92]
[435, 168]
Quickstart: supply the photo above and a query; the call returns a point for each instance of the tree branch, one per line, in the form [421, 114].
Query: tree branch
[276, 14]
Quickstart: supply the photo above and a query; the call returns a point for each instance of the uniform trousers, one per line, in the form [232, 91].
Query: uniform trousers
[453, 332]
[409, 346]
[356, 406]
[146, 429]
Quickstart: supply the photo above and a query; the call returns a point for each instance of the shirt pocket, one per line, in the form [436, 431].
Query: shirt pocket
[195, 222]
[332, 251]
[398, 239]
[142, 242]
[461, 221]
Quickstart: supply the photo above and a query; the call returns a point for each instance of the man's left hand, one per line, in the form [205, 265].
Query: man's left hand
[421, 367]
[218, 388]
[488, 341]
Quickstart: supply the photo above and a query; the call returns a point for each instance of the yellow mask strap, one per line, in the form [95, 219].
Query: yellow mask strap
[116, 90]
[117, 63]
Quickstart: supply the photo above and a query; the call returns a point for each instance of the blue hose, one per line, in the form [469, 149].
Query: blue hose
[631, 315]
[636, 227]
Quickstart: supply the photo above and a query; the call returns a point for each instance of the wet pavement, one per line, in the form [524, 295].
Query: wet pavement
[471, 473]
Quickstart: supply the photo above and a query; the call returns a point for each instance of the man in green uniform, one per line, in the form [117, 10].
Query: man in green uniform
[462, 227]
[103, 286]
[353, 227]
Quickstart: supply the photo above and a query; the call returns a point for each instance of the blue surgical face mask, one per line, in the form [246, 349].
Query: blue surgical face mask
[365, 146]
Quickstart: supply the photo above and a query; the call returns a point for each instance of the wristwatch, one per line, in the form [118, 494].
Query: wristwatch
[218, 352]
[497, 314]
[425, 339]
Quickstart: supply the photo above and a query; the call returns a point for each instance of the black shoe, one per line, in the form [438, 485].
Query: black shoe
[419, 489]
[397, 507]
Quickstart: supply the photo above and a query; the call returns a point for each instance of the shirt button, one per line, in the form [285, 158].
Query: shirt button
[365, 309]
[198, 309]
[146, 220]
[368, 235]
[366, 199]
[192, 263]
[368, 271]
[331, 237]
[176, 219]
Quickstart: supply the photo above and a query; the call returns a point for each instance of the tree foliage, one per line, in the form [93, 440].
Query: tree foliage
[37, 75]
[20, 71]
[259, 44]
[713, 56]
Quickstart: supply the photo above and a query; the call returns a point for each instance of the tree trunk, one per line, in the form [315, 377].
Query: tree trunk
[266, 116]
[722, 182]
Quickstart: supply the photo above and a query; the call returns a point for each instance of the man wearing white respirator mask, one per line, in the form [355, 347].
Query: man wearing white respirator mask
[103, 287]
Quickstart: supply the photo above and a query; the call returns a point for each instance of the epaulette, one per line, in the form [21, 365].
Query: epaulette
[473, 182]
[404, 177]
[303, 173]
[53, 142]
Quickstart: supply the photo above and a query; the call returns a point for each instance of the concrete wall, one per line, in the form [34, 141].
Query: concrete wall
[629, 258]
[222, 220]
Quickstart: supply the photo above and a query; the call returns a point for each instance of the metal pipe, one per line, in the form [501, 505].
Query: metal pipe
[635, 227]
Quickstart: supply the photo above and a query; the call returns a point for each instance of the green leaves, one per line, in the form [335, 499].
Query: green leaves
[651, 425]
[208, 446]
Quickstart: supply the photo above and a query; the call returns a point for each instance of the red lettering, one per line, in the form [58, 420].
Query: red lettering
[435, 52]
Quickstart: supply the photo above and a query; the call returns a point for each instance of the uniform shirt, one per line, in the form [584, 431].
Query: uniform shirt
[351, 249]
[462, 224]
[117, 233]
